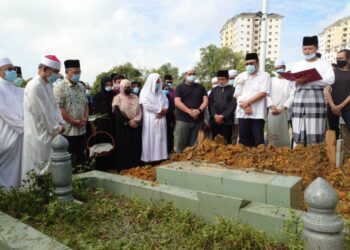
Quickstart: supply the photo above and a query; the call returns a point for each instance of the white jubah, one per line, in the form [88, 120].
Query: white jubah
[11, 133]
[42, 122]
[154, 135]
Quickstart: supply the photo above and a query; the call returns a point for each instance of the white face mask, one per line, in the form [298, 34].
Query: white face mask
[108, 88]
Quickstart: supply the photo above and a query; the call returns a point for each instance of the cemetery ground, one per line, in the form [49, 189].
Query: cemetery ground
[107, 221]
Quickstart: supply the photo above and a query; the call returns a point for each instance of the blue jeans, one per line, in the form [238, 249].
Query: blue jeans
[333, 120]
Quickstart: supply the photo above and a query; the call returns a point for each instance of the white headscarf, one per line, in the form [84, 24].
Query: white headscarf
[149, 95]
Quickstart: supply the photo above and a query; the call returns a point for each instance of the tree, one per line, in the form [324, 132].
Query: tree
[127, 70]
[269, 66]
[166, 69]
[214, 58]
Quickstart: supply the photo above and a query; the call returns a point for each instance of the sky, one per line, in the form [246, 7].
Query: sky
[147, 33]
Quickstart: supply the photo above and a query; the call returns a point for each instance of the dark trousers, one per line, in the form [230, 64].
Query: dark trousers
[170, 138]
[251, 132]
[76, 148]
[222, 129]
[333, 120]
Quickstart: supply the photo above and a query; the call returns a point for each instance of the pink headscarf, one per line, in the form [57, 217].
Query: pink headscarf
[128, 104]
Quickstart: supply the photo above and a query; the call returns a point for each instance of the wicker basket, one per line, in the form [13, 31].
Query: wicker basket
[96, 135]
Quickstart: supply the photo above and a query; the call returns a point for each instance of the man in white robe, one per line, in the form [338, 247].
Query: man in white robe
[154, 130]
[11, 126]
[42, 118]
[278, 102]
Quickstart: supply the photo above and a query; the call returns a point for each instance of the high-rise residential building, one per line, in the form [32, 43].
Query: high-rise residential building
[334, 38]
[242, 34]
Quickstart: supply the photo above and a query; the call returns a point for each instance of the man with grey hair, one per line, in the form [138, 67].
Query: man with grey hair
[191, 99]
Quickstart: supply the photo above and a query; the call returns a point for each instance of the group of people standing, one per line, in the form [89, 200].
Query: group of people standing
[143, 121]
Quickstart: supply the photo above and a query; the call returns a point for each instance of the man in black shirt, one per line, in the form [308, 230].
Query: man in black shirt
[190, 101]
[338, 96]
[222, 106]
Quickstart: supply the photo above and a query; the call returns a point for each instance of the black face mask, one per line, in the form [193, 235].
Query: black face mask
[127, 91]
[342, 63]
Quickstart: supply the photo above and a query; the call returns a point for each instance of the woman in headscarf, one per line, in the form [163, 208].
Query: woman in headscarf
[102, 103]
[154, 131]
[128, 129]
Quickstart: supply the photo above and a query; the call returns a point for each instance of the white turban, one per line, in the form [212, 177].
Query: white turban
[233, 72]
[279, 63]
[51, 61]
[189, 68]
[5, 61]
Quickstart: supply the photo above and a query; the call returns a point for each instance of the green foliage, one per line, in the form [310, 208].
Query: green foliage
[166, 69]
[107, 221]
[29, 202]
[214, 58]
[270, 66]
[292, 229]
[127, 69]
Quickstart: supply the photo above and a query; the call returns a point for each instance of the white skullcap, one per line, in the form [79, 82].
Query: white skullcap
[51, 61]
[189, 68]
[279, 63]
[233, 72]
[214, 80]
[5, 61]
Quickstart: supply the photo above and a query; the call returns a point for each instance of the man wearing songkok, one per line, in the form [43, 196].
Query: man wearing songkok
[278, 102]
[11, 126]
[71, 98]
[42, 117]
[191, 99]
[308, 111]
[252, 87]
[222, 106]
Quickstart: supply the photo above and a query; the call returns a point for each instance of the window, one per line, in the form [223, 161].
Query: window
[248, 20]
[269, 46]
[269, 53]
[256, 38]
[255, 50]
[256, 32]
[248, 26]
[247, 45]
[247, 39]
[256, 25]
[270, 33]
[255, 44]
[270, 27]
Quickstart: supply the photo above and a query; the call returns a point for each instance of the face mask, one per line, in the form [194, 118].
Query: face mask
[53, 78]
[191, 78]
[231, 82]
[127, 91]
[136, 90]
[166, 91]
[309, 57]
[250, 69]
[108, 88]
[10, 75]
[170, 84]
[157, 87]
[18, 82]
[279, 71]
[342, 63]
[75, 78]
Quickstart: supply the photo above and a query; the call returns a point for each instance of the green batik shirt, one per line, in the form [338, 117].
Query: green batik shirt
[72, 98]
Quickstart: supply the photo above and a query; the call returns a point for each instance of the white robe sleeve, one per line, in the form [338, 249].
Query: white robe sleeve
[37, 102]
[327, 75]
[14, 122]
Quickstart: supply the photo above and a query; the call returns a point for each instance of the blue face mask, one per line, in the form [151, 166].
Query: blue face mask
[10, 75]
[170, 84]
[53, 78]
[108, 88]
[231, 82]
[75, 78]
[136, 90]
[309, 57]
[191, 78]
[166, 91]
[157, 87]
[250, 69]
[18, 82]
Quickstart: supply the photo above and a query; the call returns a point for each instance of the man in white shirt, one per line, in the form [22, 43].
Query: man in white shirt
[252, 87]
[11, 126]
[42, 117]
[232, 73]
[309, 111]
[278, 102]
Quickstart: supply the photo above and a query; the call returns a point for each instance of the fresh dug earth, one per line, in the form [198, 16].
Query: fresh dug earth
[309, 163]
